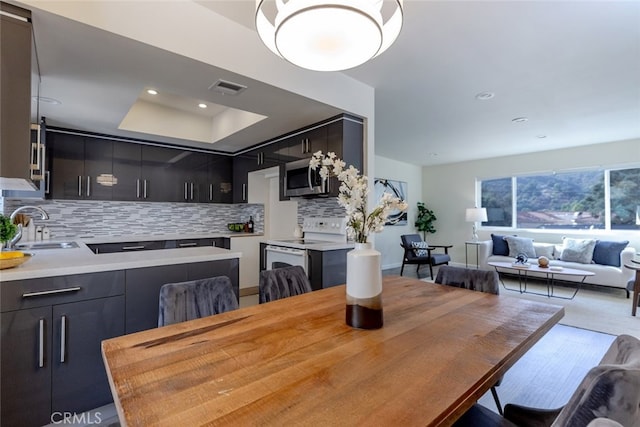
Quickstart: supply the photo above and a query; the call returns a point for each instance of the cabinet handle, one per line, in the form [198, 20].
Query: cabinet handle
[88, 186]
[51, 292]
[79, 186]
[41, 344]
[132, 248]
[210, 192]
[185, 191]
[244, 192]
[308, 145]
[187, 245]
[63, 338]
[137, 188]
[191, 191]
[144, 189]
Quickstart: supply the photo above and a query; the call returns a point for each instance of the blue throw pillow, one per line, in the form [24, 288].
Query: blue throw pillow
[608, 252]
[500, 246]
[421, 248]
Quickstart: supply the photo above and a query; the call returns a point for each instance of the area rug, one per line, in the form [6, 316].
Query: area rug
[595, 308]
[548, 374]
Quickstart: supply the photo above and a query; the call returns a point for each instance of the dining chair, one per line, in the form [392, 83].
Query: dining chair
[609, 395]
[282, 282]
[474, 280]
[419, 253]
[194, 299]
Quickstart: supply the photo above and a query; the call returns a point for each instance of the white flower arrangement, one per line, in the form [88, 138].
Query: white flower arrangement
[354, 190]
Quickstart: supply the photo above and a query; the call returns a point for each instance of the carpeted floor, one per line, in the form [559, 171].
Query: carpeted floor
[548, 374]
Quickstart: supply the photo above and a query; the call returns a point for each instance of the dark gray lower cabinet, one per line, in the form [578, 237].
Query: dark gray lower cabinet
[327, 268]
[50, 353]
[143, 287]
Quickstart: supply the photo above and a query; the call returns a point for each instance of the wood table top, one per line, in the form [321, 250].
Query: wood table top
[295, 362]
[537, 268]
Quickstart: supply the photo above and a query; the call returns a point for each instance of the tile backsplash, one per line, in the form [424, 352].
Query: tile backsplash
[319, 207]
[88, 218]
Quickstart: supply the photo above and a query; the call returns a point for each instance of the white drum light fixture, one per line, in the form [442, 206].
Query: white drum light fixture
[328, 35]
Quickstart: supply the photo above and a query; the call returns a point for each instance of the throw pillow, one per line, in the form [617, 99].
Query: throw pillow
[500, 246]
[544, 249]
[608, 252]
[578, 250]
[520, 245]
[420, 248]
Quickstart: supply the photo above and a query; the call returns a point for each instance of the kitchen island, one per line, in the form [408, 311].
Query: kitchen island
[56, 308]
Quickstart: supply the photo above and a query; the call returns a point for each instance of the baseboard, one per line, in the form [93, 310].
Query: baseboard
[252, 290]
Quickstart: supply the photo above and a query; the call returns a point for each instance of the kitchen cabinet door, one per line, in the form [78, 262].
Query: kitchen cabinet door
[79, 379]
[25, 394]
[81, 167]
[143, 294]
[161, 178]
[127, 164]
[98, 168]
[67, 166]
[219, 185]
[303, 145]
[242, 165]
[345, 138]
[192, 172]
[226, 267]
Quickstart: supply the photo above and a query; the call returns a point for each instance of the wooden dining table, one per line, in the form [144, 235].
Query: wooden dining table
[294, 361]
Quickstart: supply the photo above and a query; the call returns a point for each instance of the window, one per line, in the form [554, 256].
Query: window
[497, 198]
[608, 199]
[624, 190]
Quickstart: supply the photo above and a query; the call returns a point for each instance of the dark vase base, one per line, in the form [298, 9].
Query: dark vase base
[361, 317]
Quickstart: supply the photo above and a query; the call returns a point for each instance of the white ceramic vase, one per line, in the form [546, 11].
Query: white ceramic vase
[364, 287]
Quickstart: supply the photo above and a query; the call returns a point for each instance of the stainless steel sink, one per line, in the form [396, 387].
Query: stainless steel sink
[46, 245]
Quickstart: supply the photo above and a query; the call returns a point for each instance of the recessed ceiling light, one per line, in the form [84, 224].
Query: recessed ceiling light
[483, 96]
[202, 105]
[152, 91]
[520, 119]
[541, 136]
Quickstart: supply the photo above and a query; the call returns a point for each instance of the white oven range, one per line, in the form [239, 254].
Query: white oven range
[319, 234]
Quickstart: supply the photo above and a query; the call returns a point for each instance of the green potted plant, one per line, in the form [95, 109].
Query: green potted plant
[425, 220]
[7, 230]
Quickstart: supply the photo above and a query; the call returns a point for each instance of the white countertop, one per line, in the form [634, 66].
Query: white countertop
[324, 246]
[153, 237]
[61, 262]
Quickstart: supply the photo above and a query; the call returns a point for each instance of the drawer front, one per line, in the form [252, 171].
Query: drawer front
[108, 248]
[21, 294]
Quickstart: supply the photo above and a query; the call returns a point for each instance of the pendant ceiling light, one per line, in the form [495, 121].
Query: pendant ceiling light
[328, 35]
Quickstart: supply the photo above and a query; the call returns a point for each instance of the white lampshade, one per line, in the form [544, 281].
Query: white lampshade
[476, 214]
[328, 35]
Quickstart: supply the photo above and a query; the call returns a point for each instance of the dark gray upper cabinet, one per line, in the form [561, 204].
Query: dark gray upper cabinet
[15, 85]
[81, 168]
[218, 188]
[303, 145]
[242, 165]
[127, 169]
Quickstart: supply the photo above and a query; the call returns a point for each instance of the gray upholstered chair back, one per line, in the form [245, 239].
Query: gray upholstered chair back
[282, 283]
[610, 390]
[475, 280]
[184, 301]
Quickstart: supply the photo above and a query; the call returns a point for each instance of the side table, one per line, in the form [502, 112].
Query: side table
[636, 285]
[466, 246]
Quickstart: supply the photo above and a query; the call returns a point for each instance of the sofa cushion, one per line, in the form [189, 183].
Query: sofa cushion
[577, 250]
[500, 246]
[420, 248]
[520, 245]
[608, 252]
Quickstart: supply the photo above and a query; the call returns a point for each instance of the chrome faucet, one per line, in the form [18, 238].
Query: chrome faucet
[18, 235]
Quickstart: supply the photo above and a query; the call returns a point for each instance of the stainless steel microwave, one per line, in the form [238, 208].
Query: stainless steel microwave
[302, 181]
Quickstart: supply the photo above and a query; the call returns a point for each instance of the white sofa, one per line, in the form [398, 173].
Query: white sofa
[605, 275]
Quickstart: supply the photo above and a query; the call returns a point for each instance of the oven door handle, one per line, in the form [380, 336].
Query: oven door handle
[285, 251]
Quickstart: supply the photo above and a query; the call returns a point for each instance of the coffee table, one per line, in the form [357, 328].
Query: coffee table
[548, 273]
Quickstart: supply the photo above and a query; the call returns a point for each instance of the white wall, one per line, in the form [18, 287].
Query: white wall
[450, 189]
[388, 241]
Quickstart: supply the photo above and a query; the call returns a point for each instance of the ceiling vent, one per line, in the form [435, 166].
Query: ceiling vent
[227, 88]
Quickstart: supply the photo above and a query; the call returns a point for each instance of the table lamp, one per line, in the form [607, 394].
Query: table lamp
[476, 215]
